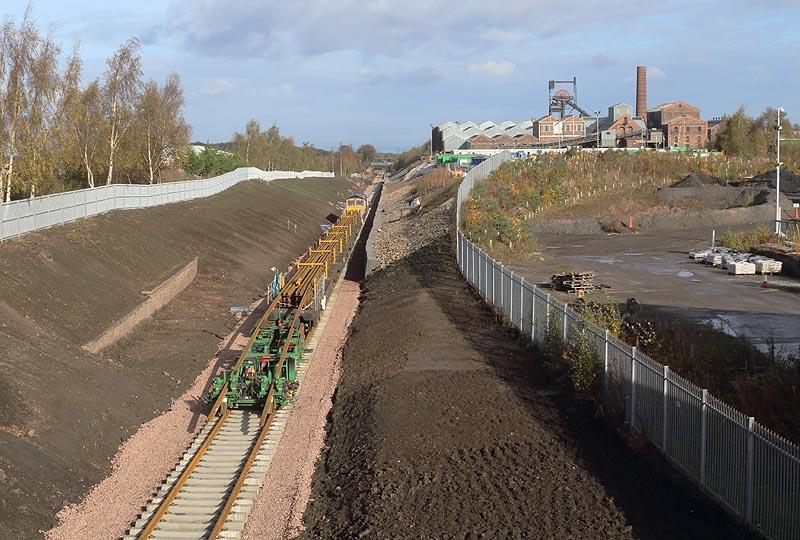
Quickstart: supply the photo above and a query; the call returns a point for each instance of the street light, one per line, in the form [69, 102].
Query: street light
[597, 127]
[778, 174]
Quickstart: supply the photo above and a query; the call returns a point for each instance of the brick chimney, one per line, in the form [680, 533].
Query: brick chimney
[641, 92]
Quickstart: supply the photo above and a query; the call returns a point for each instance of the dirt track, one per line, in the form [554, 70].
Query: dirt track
[63, 411]
[443, 426]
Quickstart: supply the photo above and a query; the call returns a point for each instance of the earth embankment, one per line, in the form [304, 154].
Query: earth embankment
[445, 426]
[63, 411]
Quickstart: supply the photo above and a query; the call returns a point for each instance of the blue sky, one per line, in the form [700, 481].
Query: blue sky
[382, 71]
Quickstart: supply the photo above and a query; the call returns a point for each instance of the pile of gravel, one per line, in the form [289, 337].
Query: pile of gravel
[790, 182]
[698, 179]
[400, 235]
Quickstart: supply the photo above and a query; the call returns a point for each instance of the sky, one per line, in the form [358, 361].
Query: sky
[383, 71]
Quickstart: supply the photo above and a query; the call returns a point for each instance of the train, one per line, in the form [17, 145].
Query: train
[265, 374]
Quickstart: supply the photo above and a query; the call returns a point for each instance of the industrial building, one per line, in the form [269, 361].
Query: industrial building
[680, 123]
[450, 136]
[673, 124]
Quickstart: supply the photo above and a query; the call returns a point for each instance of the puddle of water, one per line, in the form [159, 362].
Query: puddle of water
[685, 273]
[632, 254]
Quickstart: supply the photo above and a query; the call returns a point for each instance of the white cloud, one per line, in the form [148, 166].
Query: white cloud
[653, 74]
[600, 60]
[285, 89]
[656, 74]
[493, 68]
[217, 88]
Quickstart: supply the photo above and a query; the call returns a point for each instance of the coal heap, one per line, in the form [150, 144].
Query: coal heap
[790, 182]
[698, 179]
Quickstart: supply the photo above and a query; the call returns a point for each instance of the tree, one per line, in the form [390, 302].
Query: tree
[164, 132]
[121, 85]
[27, 88]
[80, 113]
[366, 154]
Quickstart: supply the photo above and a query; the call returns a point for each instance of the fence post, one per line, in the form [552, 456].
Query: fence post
[486, 276]
[749, 486]
[565, 323]
[473, 270]
[533, 314]
[470, 265]
[461, 252]
[547, 314]
[664, 406]
[606, 381]
[511, 297]
[703, 437]
[633, 389]
[521, 301]
[502, 274]
[494, 269]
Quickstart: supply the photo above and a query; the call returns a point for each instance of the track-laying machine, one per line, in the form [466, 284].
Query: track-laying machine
[249, 384]
[265, 374]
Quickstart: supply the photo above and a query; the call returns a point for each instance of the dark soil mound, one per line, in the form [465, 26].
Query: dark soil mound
[63, 411]
[444, 426]
[790, 182]
[698, 179]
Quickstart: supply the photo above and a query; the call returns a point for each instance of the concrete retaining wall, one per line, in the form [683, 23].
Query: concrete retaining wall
[157, 298]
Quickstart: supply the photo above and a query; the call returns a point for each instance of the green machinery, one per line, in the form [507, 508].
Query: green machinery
[251, 381]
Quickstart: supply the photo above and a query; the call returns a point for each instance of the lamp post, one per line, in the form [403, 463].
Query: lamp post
[597, 127]
[778, 174]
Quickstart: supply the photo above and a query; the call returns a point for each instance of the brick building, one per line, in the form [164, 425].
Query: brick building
[681, 124]
[551, 129]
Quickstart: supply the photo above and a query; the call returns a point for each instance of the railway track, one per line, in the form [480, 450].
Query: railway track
[210, 492]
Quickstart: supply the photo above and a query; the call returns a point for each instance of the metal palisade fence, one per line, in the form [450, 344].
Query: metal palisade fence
[752, 472]
[26, 215]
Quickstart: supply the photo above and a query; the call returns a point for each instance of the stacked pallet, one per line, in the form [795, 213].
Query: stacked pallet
[741, 268]
[573, 282]
[713, 258]
[735, 262]
[766, 265]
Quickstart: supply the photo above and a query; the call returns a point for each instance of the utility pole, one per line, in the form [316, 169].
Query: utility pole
[597, 127]
[778, 174]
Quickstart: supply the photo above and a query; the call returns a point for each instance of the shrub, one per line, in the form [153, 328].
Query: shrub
[583, 364]
[747, 241]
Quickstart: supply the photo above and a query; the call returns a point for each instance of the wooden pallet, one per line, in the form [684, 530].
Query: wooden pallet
[573, 282]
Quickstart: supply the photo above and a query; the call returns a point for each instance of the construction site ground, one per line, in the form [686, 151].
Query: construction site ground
[653, 268]
[445, 425]
[63, 411]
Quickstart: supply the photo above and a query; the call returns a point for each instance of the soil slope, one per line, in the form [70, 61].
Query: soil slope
[63, 411]
[444, 426]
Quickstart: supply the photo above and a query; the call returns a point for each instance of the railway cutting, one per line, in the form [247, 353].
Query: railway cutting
[212, 489]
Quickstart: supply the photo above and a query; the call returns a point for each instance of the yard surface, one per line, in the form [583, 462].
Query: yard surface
[654, 268]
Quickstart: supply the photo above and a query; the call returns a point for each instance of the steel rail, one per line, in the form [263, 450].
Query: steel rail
[156, 518]
[267, 416]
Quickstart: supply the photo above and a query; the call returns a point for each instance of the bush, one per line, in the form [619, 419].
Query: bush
[747, 241]
[583, 364]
